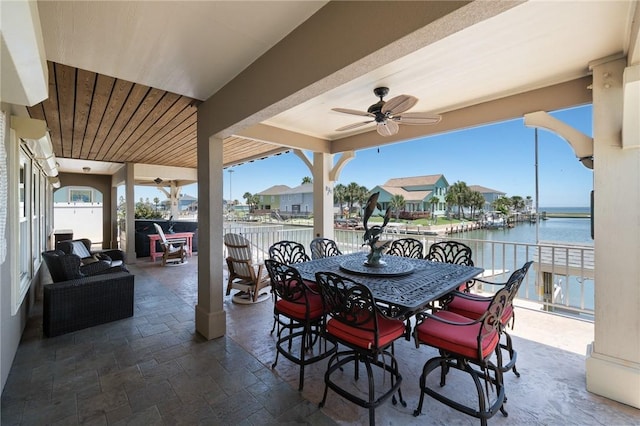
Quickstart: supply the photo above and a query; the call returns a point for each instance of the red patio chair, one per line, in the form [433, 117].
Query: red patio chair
[464, 343]
[357, 323]
[474, 306]
[288, 253]
[300, 311]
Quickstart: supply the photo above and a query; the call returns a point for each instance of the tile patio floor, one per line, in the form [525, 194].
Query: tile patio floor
[154, 369]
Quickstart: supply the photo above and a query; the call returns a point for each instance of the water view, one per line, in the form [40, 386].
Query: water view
[557, 230]
[567, 286]
[555, 280]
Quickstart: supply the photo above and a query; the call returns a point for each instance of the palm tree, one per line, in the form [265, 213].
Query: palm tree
[433, 202]
[458, 195]
[353, 190]
[476, 202]
[254, 201]
[361, 198]
[247, 197]
[306, 179]
[517, 202]
[502, 204]
[397, 202]
[340, 196]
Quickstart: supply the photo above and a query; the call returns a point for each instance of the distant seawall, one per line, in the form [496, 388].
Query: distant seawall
[565, 212]
[571, 215]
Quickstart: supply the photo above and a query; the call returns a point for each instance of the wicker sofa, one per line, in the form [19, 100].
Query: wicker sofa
[84, 295]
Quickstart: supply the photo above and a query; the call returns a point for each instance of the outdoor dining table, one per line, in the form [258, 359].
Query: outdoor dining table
[405, 284]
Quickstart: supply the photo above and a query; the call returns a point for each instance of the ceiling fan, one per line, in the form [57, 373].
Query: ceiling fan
[388, 114]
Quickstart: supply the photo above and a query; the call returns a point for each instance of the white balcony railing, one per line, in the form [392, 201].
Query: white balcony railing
[561, 279]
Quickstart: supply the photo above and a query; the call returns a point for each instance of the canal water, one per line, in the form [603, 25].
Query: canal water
[557, 230]
[572, 291]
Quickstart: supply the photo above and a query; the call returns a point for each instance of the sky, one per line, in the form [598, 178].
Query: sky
[499, 156]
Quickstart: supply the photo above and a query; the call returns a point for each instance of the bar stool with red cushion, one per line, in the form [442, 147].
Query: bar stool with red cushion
[289, 252]
[464, 343]
[474, 306]
[356, 323]
[299, 311]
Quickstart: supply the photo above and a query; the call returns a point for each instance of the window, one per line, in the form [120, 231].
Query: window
[22, 279]
[35, 216]
[80, 196]
[21, 187]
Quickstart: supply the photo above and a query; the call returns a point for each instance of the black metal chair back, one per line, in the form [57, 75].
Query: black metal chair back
[349, 302]
[407, 247]
[287, 284]
[515, 281]
[450, 252]
[324, 247]
[288, 252]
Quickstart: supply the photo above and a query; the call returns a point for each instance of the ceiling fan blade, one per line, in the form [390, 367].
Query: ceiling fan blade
[354, 125]
[353, 112]
[399, 104]
[417, 118]
[388, 128]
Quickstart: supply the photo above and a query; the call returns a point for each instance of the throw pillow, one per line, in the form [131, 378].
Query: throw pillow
[80, 250]
[89, 260]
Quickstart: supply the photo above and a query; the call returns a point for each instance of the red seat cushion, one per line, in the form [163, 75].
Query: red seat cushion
[312, 285]
[462, 340]
[298, 309]
[363, 336]
[474, 309]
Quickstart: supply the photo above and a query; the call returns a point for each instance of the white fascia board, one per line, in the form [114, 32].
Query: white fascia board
[23, 65]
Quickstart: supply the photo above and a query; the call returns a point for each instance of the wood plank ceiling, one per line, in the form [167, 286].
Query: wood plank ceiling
[96, 117]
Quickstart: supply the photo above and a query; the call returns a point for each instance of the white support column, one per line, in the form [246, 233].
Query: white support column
[130, 232]
[113, 235]
[322, 195]
[210, 314]
[175, 199]
[613, 359]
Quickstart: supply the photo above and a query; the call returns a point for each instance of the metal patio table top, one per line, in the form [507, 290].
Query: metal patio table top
[409, 284]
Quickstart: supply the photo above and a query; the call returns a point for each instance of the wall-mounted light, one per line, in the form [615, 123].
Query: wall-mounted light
[54, 181]
[86, 169]
[158, 181]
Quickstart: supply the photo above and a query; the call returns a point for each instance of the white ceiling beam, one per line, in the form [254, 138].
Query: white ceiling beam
[300, 67]
[274, 135]
[559, 96]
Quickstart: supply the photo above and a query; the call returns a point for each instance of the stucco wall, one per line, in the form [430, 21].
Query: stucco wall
[103, 184]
